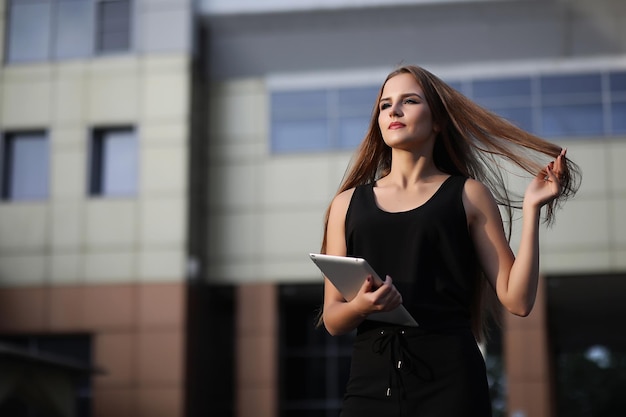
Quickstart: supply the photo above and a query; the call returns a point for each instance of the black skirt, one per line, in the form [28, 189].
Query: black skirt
[412, 372]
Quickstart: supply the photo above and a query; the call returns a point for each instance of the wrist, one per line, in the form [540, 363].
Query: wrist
[531, 212]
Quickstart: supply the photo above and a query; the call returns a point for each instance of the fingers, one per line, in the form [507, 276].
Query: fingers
[388, 296]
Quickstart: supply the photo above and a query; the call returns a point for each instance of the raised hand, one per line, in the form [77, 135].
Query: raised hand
[546, 186]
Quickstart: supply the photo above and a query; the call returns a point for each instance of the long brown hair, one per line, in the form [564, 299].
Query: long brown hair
[472, 142]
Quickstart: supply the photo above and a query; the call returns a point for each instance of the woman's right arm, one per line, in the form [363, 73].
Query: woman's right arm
[340, 316]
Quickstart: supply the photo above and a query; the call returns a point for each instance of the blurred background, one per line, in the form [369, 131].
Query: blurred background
[165, 166]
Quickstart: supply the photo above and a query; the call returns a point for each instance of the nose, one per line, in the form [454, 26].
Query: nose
[394, 110]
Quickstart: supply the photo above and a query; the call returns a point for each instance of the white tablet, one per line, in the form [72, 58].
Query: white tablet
[348, 274]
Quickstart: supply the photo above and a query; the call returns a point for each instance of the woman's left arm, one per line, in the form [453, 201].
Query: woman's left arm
[514, 279]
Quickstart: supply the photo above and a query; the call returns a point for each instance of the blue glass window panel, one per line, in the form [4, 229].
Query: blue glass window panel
[618, 117]
[301, 105]
[73, 22]
[571, 84]
[309, 135]
[29, 167]
[498, 88]
[572, 120]
[520, 116]
[113, 26]
[357, 101]
[352, 131]
[617, 81]
[119, 163]
[28, 32]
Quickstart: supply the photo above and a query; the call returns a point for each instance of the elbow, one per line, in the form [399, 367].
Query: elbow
[521, 310]
[333, 331]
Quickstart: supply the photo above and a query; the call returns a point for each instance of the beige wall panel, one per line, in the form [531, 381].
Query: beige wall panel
[617, 173]
[243, 271]
[592, 160]
[234, 237]
[163, 170]
[296, 182]
[583, 223]
[618, 217]
[291, 235]
[26, 100]
[75, 136]
[23, 270]
[161, 265]
[225, 149]
[235, 186]
[618, 260]
[113, 98]
[158, 133]
[66, 226]
[164, 96]
[110, 267]
[172, 62]
[238, 109]
[70, 94]
[163, 222]
[66, 268]
[23, 227]
[69, 176]
[111, 223]
[576, 261]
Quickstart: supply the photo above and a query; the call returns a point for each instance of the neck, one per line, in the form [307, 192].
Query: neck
[410, 168]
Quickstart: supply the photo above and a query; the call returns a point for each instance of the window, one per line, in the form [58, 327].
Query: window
[113, 168]
[25, 166]
[41, 30]
[73, 19]
[67, 357]
[571, 105]
[511, 98]
[588, 347]
[318, 120]
[549, 105]
[617, 85]
[314, 366]
[113, 32]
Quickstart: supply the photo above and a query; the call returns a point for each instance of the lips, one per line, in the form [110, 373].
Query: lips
[396, 125]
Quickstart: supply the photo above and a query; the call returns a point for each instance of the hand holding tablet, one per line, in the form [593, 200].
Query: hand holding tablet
[348, 274]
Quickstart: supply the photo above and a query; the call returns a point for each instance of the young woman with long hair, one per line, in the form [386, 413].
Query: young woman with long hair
[420, 202]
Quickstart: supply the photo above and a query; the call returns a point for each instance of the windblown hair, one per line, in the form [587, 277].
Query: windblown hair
[472, 142]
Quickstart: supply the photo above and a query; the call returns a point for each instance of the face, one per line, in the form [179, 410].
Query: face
[405, 119]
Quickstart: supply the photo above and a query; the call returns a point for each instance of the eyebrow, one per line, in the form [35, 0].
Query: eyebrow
[405, 95]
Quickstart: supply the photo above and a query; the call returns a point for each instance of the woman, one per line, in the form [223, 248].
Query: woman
[420, 204]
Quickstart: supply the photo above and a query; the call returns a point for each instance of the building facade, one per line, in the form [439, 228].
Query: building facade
[94, 123]
[166, 164]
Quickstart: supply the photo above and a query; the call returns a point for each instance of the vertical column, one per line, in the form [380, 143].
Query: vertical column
[257, 347]
[528, 362]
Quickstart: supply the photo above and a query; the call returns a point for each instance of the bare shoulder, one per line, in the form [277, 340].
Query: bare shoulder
[341, 202]
[477, 198]
[476, 190]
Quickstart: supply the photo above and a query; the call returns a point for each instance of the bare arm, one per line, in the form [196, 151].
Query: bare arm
[515, 279]
[340, 316]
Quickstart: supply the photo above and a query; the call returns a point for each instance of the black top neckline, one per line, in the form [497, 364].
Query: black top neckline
[372, 195]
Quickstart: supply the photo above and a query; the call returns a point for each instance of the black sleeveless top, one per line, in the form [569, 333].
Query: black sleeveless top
[427, 251]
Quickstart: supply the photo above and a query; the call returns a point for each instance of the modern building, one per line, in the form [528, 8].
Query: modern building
[165, 166]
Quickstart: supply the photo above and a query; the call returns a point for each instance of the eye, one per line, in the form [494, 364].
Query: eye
[384, 106]
[411, 101]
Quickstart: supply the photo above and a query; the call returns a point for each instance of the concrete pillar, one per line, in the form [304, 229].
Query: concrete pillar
[257, 351]
[528, 362]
